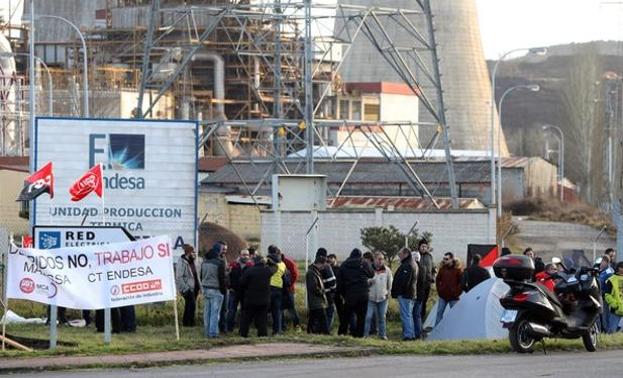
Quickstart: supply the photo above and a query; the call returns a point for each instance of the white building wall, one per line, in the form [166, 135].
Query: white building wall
[396, 107]
[340, 230]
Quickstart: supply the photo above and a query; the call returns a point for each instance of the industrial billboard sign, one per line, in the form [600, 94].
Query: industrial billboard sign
[150, 175]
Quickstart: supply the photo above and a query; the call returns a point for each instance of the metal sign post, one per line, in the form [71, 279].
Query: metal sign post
[50, 237]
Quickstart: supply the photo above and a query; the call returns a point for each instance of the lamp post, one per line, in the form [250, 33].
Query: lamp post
[531, 87]
[47, 71]
[85, 72]
[532, 51]
[561, 155]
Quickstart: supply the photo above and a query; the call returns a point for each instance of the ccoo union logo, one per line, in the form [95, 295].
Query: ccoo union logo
[27, 286]
[141, 286]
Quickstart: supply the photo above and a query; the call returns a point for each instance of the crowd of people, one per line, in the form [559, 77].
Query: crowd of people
[358, 290]
[610, 282]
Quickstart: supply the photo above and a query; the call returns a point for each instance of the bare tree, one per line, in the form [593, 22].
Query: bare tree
[584, 123]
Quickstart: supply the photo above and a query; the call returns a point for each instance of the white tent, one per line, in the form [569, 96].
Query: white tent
[475, 316]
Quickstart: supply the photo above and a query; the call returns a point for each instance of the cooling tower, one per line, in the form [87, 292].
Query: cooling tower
[464, 74]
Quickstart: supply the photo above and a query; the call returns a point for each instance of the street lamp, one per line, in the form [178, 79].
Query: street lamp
[532, 88]
[561, 155]
[47, 70]
[85, 73]
[539, 51]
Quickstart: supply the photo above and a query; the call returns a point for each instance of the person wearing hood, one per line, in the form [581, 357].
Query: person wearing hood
[214, 286]
[187, 281]
[276, 288]
[352, 284]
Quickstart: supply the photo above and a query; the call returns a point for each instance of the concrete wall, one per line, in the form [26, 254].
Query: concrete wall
[242, 219]
[339, 230]
[11, 183]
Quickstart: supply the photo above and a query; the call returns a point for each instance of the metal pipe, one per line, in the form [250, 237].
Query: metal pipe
[533, 88]
[223, 132]
[534, 51]
[308, 86]
[85, 70]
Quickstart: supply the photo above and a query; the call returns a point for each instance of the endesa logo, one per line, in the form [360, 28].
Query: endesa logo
[124, 155]
[141, 286]
[26, 285]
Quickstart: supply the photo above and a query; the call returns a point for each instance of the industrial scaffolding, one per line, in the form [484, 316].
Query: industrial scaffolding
[262, 78]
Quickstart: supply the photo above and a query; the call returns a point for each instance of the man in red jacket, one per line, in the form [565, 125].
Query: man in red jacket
[448, 283]
[289, 287]
[545, 277]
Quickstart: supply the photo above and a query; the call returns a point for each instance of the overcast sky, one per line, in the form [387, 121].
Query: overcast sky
[509, 24]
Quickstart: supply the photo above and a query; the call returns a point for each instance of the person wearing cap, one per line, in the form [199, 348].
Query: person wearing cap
[276, 287]
[614, 298]
[187, 282]
[352, 283]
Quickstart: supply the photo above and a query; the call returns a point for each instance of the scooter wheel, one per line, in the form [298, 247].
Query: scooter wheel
[520, 338]
[591, 338]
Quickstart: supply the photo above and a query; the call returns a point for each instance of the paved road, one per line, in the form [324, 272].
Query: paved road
[567, 365]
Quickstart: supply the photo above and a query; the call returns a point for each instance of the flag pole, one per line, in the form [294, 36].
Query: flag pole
[107, 315]
[176, 316]
[4, 301]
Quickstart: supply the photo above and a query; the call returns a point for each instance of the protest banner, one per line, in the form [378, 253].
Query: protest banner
[96, 276]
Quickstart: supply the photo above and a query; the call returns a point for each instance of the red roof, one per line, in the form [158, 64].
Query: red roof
[381, 87]
[14, 163]
[401, 202]
[211, 163]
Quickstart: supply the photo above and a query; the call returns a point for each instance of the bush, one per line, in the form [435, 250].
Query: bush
[390, 240]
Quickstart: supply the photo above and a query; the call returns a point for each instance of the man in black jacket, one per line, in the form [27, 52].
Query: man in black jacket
[352, 284]
[404, 288]
[255, 289]
[474, 274]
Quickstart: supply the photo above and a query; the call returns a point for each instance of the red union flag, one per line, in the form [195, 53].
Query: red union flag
[38, 183]
[92, 181]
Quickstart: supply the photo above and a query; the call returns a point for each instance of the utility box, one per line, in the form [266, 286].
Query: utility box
[299, 192]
